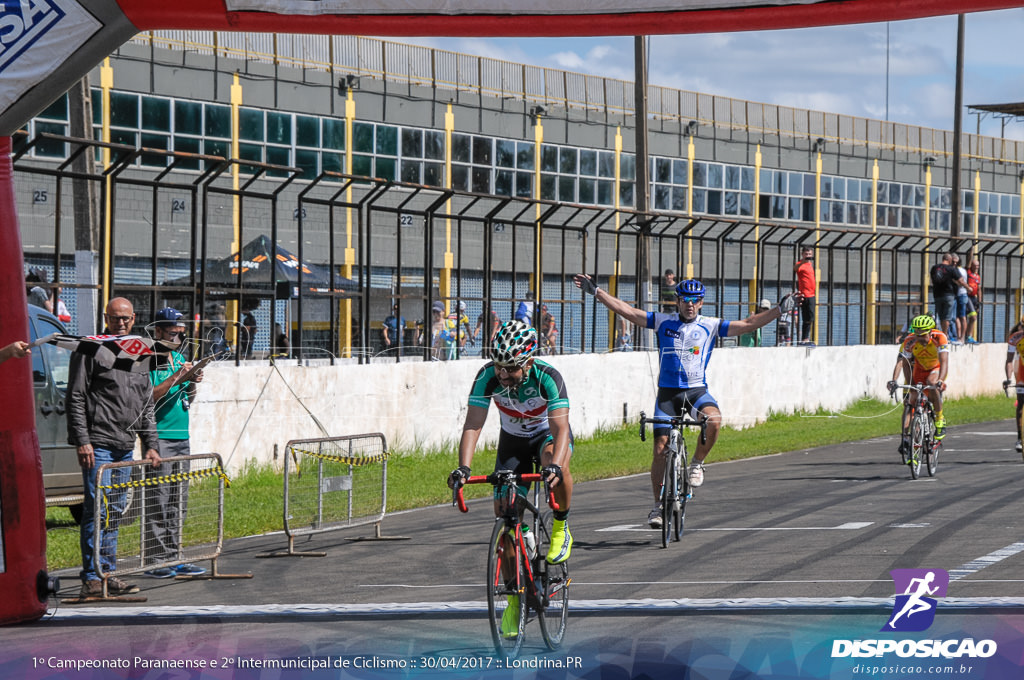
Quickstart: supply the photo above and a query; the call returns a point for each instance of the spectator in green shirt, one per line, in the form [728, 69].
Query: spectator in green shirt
[753, 339]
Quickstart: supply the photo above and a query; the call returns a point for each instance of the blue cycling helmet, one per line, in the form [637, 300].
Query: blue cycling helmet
[690, 287]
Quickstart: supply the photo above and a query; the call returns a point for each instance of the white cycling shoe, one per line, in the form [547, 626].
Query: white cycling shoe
[696, 474]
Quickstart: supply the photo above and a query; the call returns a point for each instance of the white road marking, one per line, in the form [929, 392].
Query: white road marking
[910, 526]
[641, 527]
[985, 560]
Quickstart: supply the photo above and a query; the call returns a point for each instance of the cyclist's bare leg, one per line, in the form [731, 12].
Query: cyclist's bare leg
[563, 492]
[935, 395]
[1020, 408]
[658, 465]
[714, 417]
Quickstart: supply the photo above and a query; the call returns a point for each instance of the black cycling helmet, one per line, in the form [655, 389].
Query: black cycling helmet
[690, 287]
[514, 343]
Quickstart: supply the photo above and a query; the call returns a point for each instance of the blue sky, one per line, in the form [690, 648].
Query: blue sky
[839, 69]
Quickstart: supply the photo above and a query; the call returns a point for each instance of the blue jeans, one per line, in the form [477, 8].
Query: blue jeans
[111, 510]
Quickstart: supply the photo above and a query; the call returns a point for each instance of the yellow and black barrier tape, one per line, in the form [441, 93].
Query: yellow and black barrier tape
[166, 479]
[349, 460]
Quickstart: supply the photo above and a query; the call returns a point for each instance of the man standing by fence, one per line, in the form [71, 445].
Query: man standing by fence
[166, 503]
[807, 286]
[107, 408]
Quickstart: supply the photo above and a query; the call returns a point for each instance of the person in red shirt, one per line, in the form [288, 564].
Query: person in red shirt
[807, 286]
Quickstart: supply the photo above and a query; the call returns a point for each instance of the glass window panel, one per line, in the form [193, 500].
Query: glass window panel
[700, 174]
[627, 167]
[279, 128]
[97, 107]
[51, 148]
[732, 177]
[714, 177]
[362, 165]
[156, 114]
[58, 110]
[853, 213]
[215, 147]
[679, 199]
[548, 184]
[918, 196]
[916, 218]
[433, 174]
[277, 155]
[567, 189]
[567, 161]
[307, 131]
[809, 184]
[1005, 203]
[250, 125]
[588, 162]
[387, 140]
[188, 118]
[433, 145]
[605, 164]
[838, 208]
[126, 137]
[699, 199]
[731, 205]
[747, 179]
[411, 169]
[894, 193]
[626, 194]
[968, 222]
[944, 219]
[1004, 226]
[838, 188]
[865, 214]
[217, 121]
[504, 181]
[309, 162]
[460, 177]
[826, 187]
[482, 151]
[908, 194]
[883, 192]
[796, 181]
[905, 218]
[151, 141]
[124, 109]
[588, 190]
[460, 148]
[794, 212]
[362, 138]
[746, 205]
[1014, 206]
[662, 197]
[781, 184]
[187, 145]
[386, 168]
[983, 202]
[524, 155]
[412, 146]
[250, 152]
[892, 216]
[548, 158]
[825, 210]
[779, 208]
[481, 178]
[334, 134]
[505, 154]
[679, 172]
[524, 184]
[767, 177]
[968, 201]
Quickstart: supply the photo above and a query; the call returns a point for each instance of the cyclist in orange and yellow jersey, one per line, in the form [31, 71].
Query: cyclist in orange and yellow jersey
[923, 358]
[1015, 371]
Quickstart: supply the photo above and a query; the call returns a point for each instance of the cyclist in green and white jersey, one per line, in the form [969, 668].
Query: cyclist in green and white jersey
[534, 407]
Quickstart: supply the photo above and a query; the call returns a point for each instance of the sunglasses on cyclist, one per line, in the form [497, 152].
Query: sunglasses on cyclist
[692, 299]
[508, 368]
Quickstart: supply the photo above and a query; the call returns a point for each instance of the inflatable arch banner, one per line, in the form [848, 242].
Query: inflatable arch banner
[47, 45]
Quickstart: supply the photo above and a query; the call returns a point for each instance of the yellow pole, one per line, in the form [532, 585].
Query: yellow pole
[691, 153]
[232, 306]
[345, 305]
[535, 275]
[1020, 251]
[927, 237]
[817, 236]
[613, 279]
[106, 84]
[752, 285]
[445, 282]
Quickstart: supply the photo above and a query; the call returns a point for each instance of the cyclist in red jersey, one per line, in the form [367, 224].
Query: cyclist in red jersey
[923, 358]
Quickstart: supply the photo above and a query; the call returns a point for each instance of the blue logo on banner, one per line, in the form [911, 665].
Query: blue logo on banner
[23, 24]
[916, 590]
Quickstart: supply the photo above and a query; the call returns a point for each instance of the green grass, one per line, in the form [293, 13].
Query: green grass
[253, 503]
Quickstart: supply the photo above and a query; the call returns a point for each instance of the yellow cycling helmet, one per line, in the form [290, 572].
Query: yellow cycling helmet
[922, 324]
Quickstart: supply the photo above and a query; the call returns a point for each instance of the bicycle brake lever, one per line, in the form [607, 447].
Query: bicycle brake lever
[458, 500]
[643, 428]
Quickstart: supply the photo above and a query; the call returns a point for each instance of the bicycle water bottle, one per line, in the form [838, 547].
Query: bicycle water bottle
[530, 540]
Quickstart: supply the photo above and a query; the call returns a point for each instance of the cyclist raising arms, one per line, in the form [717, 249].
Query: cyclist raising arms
[1015, 371]
[534, 409]
[685, 341]
[923, 358]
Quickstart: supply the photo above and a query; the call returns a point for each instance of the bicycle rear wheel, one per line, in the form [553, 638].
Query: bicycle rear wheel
[917, 444]
[932, 448]
[682, 492]
[508, 624]
[554, 582]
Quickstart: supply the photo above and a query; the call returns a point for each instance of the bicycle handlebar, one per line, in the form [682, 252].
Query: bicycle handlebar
[498, 478]
[916, 388]
[675, 421]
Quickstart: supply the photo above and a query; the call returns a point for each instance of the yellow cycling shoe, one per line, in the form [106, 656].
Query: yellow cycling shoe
[561, 542]
[940, 427]
[510, 618]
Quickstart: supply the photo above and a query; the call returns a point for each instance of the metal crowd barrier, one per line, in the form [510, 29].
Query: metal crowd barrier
[164, 516]
[333, 483]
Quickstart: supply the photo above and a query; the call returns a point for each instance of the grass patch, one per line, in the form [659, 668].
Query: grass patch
[254, 501]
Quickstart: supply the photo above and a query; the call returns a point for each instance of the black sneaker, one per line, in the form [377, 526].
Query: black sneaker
[904, 450]
[116, 586]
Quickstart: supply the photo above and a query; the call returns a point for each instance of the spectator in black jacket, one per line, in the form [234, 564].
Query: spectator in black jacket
[945, 282]
[106, 410]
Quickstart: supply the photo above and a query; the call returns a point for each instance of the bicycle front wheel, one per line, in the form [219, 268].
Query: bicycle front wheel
[554, 600]
[933, 447]
[668, 496]
[506, 578]
[682, 491]
[917, 444]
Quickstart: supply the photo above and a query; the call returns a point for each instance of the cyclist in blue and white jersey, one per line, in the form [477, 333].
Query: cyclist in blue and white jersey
[685, 341]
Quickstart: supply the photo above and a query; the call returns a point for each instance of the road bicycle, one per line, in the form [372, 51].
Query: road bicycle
[675, 487]
[514, 568]
[924, 447]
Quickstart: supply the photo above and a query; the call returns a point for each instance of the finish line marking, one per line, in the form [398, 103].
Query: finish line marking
[984, 561]
[844, 527]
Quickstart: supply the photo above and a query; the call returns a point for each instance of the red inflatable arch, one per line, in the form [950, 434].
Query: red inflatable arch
[47, 45]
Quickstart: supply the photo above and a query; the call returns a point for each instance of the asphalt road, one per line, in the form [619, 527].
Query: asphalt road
[793, 548]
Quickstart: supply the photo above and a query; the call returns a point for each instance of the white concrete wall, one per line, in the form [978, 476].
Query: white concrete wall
[242, 412]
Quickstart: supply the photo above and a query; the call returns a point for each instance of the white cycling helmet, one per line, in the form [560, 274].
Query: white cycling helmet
[514, 343]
